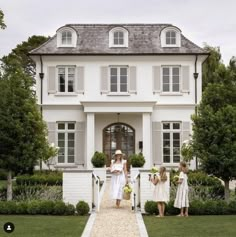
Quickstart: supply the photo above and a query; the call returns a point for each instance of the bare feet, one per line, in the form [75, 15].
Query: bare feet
[180, 215]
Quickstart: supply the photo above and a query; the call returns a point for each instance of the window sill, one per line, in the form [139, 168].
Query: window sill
[118, 46]
[171, 93]
[118, 94]
[65, 166]
[66, 94]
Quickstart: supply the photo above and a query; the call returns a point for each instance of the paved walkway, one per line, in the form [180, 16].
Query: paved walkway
[112, 222]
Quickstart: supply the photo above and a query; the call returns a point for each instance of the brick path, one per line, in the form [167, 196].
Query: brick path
[112, 222]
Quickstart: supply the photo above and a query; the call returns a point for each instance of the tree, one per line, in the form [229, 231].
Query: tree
[22, 132]
[19, 55]
[214, 128]
[2, 24]
[211, 66]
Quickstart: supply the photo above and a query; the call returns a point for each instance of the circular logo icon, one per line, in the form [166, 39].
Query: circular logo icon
[8, 227]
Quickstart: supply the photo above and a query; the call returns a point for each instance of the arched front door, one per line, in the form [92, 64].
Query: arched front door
[118, 136]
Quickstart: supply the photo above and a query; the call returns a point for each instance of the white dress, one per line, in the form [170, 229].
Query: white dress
[117, 181]
[160, 193]
[181, 199]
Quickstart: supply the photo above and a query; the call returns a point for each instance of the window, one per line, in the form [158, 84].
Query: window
[171, 37]
[66, 79]
[66, 38]
[171, 79]
[66, 142]
[118, 38]
[171, 142]
[118, 79]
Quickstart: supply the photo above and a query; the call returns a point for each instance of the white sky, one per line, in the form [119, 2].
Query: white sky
[210, 21]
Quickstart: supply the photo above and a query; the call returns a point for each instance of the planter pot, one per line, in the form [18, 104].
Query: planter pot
[100, 172]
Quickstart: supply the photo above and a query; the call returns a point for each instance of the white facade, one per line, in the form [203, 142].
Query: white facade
[144, 107]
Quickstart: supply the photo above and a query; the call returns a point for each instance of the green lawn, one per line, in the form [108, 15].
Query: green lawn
[193, 226]
[44, 226]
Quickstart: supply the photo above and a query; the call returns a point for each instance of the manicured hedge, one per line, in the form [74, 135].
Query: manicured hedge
[36, 207]
[210, 207]
[39, 178]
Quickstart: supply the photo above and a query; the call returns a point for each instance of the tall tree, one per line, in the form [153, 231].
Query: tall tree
[2, 24]
[19, 55]
[214, 128]
[22, 132]
[211, 66]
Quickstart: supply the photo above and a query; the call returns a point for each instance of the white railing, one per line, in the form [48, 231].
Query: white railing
[135, 195]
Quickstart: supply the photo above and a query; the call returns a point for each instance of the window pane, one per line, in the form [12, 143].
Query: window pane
[173, 41]
[166, 87]
[61, 136]
[123, 71]
[166, 79]
[61, 143]
[175, 87]
[166, 159]
[116, 34]
[113, 79]
[166, 126]
[166, 136]
[176, 136]
[61, 151]
[113, 88]
[61, 159]
[71, 143]
[71, 126]
[176, 126]
[123, 79]
[123, 87]
[176, 159]
[61, 126]
[167, 40]
[71, 136]
[71, 151]
[168, 34]
[113, 71]
[166, 71]
[172, 34]
[71, 159]
[116, 41]
[121, 41]
[175, 80]
[175, 71]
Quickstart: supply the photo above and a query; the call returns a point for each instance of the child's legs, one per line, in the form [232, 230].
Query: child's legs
[163, 208]
[159, 208]
[186, 211]
[182, 211]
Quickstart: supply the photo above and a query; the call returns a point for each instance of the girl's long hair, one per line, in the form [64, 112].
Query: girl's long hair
[115, 159]
[184, 167]
[163, 176]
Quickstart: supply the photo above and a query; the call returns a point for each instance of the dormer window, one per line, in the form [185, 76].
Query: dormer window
[170, 37]
[118, 37]
[66, 37]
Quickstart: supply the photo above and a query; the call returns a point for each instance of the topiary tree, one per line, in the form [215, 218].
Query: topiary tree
[98, 159]
[137, 160]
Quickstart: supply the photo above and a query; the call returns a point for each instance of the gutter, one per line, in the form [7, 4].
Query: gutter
[41, 75]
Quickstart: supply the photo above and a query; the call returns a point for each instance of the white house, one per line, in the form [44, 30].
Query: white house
[118, 86]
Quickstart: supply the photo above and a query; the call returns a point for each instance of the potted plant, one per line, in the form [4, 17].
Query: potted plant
[99, 160]
[137, 161]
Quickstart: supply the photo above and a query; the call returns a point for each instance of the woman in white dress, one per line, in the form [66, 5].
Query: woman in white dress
[181, 200]
[119, 177]
[160, 194]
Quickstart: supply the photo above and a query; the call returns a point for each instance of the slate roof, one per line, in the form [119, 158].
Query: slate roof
[93, 39]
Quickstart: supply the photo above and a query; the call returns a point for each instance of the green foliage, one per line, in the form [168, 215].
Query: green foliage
[33, 207]
[137, 160]
[21, 208]
[70, 210]
[47, 207]
[40, 178]
[82, 208]
[98, 159]
[19, 56]
[150, 207]
[170, 209]
[59, 208]
[187, 151]
[2, 24]
[3, 175]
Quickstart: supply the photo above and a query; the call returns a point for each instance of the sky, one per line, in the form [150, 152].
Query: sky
[202, 21]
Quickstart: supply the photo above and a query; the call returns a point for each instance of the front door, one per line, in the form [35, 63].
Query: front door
[118, 136]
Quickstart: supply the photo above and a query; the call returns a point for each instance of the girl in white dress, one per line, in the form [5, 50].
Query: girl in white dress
[160, 194]
[119, 177]
[181, 200]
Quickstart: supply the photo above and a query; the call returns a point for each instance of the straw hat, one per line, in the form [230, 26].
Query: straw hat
[118, 152]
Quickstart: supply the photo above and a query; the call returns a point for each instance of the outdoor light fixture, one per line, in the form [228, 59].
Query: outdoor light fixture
[195, 75]
[41, 75]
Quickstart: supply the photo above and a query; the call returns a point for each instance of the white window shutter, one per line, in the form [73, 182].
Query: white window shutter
[133, 80]
[104, 80]
[80, 80]
[51, 80]
[185, 131]
[80, 143]
[185, 79]
[156, 143]
[156, 71]
[52, 138]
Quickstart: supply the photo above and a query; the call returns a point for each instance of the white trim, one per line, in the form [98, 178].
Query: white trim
[111, 37]
[73, 40]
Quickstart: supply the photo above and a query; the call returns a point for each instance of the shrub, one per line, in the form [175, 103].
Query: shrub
[21, 208]
[8, 207]
[40, 178]
[98, 159]
[59, 208]
[150, 207]
[196, 208]
[33, 207]
[232, 207]
[47, 207]
[82, 208]
[137, 160]
[170, 209]
[70, 209]
[3, 175]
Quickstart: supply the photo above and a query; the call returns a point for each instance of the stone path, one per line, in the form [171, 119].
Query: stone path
[112, 222]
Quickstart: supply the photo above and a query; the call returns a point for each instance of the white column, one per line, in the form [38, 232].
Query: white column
[147, 140]
[90, 139]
